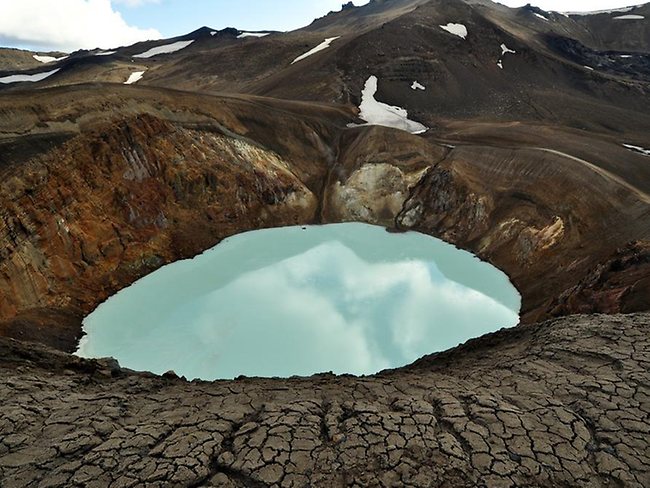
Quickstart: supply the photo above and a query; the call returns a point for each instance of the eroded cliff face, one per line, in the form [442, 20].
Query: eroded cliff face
[374, 174]
[550, 220]
[545, 229]
[111, 206]
[621, 283]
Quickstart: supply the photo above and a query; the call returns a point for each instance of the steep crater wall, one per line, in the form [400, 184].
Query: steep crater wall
[111, 206]
[122, 199]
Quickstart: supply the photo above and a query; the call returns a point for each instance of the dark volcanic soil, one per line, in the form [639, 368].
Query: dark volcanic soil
[563, 403]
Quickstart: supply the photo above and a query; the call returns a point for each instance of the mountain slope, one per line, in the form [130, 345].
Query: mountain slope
[529, 161]
[399, 41]
[625, 29]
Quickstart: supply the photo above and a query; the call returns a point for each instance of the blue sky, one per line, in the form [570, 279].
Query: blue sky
[68, 25]
[173, 17]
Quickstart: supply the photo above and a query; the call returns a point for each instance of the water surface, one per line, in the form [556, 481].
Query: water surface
[346, 298]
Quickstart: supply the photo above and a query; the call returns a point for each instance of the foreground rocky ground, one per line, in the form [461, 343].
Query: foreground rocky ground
[563, 403]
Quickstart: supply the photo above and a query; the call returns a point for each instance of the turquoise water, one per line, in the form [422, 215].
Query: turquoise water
[346, 298]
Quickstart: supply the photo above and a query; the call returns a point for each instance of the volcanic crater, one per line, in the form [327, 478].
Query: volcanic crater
[525, 164]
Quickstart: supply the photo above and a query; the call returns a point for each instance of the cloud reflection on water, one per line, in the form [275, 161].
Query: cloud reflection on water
[322, 309]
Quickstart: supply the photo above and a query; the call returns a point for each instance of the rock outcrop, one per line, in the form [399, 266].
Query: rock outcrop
[562, 403]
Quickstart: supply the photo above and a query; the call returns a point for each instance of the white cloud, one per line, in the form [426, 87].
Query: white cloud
[68, 24]
[258, 304]
[135, 3]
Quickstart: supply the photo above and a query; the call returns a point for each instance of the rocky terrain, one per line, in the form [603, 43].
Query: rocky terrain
[536, 158]
[563, 403]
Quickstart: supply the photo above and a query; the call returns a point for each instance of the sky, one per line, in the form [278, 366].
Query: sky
[67, 25]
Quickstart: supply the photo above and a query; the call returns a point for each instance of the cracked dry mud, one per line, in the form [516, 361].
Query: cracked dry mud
[563, 403]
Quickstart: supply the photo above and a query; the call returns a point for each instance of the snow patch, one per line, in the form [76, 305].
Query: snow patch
[588, 67]
[105, 53]
[166, 49]
[540, 16]
[638, 149]
[378, 113]
[417, 86]
[504, 50]
[134, 78]
[48, 59]
[629, 17]
[31, 78]
[456, 29]
[252, 34]
[322, 46]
